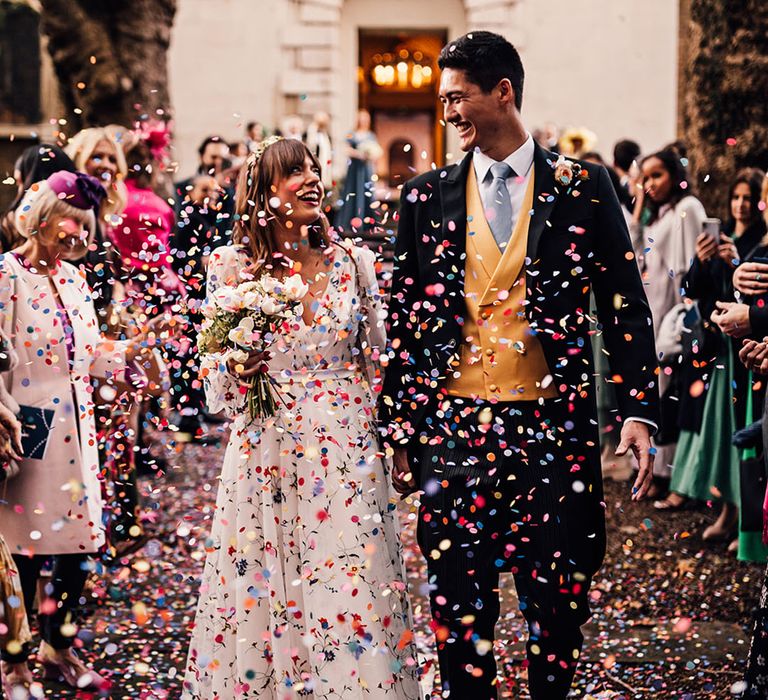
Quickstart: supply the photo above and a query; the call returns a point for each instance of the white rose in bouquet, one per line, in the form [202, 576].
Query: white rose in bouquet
[250, 295]
[269, 284]
[295, 288]
[239, 356]
[225, 299]
[243, 333]
[271, 307]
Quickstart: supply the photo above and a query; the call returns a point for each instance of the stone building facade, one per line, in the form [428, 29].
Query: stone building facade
[608, 65]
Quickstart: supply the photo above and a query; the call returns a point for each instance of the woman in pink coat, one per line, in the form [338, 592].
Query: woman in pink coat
[53, 507]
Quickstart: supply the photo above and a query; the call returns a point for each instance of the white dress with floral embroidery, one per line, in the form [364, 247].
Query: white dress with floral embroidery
[303, 592]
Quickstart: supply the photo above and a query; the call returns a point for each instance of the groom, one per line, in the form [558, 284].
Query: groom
[489, 398]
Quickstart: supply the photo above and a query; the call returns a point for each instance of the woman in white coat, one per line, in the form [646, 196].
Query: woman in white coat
[53, 508]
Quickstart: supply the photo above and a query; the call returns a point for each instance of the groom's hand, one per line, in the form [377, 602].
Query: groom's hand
[637, 436]
[402, 478]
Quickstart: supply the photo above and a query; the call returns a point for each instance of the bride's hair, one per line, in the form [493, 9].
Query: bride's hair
[256, 219]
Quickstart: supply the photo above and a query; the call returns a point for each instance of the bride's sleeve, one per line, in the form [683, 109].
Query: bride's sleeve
[373, 338]
[222, 391]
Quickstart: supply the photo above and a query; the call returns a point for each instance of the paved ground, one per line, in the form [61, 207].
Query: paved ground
[669, 623]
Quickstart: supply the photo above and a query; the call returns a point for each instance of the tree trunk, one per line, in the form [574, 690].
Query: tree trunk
[725, 101]
[110, 57]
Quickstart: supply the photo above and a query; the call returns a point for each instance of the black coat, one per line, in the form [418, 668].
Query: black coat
[575, 244]
[708, 283]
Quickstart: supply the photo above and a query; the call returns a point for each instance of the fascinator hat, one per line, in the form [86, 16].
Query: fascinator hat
[64, 195]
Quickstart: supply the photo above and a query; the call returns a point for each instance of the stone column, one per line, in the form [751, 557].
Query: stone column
[491, 15]
[310, 46]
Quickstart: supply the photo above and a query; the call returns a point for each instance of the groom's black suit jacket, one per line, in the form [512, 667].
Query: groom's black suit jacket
[576, 243]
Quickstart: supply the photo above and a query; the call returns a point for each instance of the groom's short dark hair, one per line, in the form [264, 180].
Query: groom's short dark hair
[487, 59]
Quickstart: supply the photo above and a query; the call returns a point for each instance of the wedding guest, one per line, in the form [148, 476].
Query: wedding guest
[626, 201]
[281, 511]
[754, 356]
[575, 141]
[46, 312]
[143, 238]
[196, 235]
[238, 151]
[667, 220]
[255, 133]
[14, 626]
[626, 154]
[548, 136]
[318, 140]
[292, 127]
[214, 161]
[706, 464]
[739, 319]
[363, 151]
[152, 289]
[34, 164]
[96, 152]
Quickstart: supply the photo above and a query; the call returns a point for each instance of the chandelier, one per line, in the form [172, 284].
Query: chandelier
[402, 70]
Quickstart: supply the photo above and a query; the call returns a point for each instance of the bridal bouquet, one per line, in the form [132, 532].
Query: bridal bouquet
[247, 318]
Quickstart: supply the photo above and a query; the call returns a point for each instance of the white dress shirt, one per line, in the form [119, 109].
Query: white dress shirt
[521, 161]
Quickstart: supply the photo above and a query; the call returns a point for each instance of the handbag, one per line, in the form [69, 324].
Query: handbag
[36, 426]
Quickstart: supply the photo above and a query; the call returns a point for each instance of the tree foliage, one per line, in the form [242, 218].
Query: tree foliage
[724, 102]
[110, 56]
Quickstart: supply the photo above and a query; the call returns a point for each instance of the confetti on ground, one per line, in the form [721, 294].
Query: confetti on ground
[670, 614]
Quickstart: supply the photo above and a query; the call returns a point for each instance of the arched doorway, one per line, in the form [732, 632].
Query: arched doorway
[398, 85]
[369, 30]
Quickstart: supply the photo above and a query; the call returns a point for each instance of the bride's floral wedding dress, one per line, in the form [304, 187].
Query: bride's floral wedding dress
[303, 592]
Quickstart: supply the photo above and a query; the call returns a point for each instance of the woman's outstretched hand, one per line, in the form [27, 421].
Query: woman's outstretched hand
[10, 435]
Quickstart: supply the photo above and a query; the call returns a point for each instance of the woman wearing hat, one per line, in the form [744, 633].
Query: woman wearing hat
[53, 507]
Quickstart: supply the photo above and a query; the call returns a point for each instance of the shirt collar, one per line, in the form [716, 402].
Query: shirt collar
[520, 160]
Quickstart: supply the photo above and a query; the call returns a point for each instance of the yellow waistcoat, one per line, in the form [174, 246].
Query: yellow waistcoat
[500, 359]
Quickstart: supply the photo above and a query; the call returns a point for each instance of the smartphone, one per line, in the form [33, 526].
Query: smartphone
[712, 228]
[764, 261]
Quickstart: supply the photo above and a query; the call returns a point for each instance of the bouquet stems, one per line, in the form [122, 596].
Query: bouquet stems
[261, 399]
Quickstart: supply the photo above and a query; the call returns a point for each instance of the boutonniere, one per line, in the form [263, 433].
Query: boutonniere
[569, 174]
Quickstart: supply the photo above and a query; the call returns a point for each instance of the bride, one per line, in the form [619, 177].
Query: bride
[303, 593]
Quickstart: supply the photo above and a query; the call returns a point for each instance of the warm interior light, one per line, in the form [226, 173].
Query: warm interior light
[402, 70]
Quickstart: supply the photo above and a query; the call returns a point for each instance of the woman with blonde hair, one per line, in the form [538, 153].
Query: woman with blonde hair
[53, 506]
[97, 153]
[303, 592]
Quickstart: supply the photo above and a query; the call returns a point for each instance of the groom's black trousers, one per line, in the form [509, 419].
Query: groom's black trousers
[508, 488]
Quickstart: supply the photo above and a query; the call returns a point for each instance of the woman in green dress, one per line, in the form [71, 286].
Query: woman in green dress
[706, 465]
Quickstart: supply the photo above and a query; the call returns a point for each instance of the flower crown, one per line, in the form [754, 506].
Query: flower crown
[261, 147]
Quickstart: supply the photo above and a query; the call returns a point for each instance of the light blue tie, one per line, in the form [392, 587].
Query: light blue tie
[500, 205]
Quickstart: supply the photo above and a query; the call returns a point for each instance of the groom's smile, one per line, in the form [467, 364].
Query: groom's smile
[484, 120]
[463, 105]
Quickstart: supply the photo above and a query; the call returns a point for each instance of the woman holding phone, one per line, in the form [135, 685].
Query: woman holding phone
[706, 466]
[666, 223]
